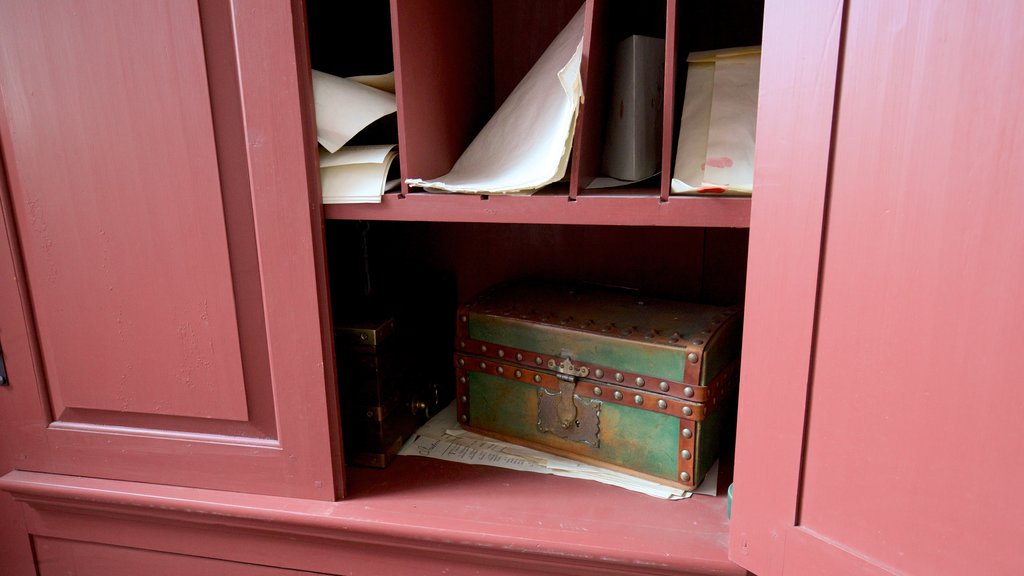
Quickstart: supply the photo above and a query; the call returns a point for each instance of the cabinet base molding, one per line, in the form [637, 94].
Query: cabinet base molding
[357, 536]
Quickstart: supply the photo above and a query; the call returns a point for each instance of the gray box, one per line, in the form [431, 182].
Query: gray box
[632, 148]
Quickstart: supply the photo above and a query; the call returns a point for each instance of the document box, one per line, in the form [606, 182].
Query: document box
[599, 374]
[371, 379]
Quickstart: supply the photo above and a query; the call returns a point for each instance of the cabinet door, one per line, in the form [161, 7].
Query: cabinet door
[162, 294]
[883, 433]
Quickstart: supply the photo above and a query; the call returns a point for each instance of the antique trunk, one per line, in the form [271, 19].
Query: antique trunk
[602, 375]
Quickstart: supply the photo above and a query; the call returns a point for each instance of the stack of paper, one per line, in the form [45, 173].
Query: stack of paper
[345, 107]
[719, 118]
[526, 144]
[356, 174]
[442, 438]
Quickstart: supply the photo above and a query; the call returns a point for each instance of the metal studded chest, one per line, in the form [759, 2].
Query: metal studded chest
[599, 374]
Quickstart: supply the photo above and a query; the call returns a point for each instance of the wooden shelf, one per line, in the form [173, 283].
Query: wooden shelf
[467, 514]
[594, 208]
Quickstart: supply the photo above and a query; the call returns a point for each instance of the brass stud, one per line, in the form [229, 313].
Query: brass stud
[687, 433]
[688, 392]
[464, 319]
[692, 357]
[684, 476]
[599, 373]
[483, 347]
[501, 353]
[685, 454]
[639, 381]
[519, 357]
[519, 373]
[597, 390]
[462, 344]
[617, 395]
[687, 411]
[536, 378]
[464, 399]
[464, 418]
[538, 360]
[638, 399]
[462, 379]
[501, 369]
[619, 377]
[462, 361]
[483, 365]
[663, 386]
[662, 404]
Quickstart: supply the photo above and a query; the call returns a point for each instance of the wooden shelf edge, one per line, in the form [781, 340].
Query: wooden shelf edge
[603, 209]
[410, 524]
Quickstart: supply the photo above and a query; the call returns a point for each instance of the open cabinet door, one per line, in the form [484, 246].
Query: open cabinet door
[880, 416]
[162, 294]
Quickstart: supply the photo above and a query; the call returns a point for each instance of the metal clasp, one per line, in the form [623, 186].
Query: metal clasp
[567, 415]
[568, 371]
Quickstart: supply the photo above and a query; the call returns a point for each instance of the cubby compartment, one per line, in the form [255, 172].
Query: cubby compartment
[456, 61]
[432, 267]
[400, 262]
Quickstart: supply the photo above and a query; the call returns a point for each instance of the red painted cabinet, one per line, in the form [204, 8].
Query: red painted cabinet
[164, 309]
[161, 290]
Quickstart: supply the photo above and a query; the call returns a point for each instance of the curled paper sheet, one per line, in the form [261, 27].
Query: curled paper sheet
[526, 144]
[344, 107]
[719, 118]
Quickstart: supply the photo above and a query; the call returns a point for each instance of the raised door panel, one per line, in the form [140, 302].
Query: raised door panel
[910, 431]
[161, 268]
[913, 428]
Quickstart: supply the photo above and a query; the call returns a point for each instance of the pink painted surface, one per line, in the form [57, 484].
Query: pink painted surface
[421, 516]
[798, 73]
[160, 286]
[115, 189]
[444, 81]
[916, 388]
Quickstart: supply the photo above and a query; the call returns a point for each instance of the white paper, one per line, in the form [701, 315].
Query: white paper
[356, 174]
[717, 126]
[442, 438]
[344, 107]
[526, 144]
[385, 82]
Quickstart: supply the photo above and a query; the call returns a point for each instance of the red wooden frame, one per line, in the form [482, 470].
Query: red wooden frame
[794, 131]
